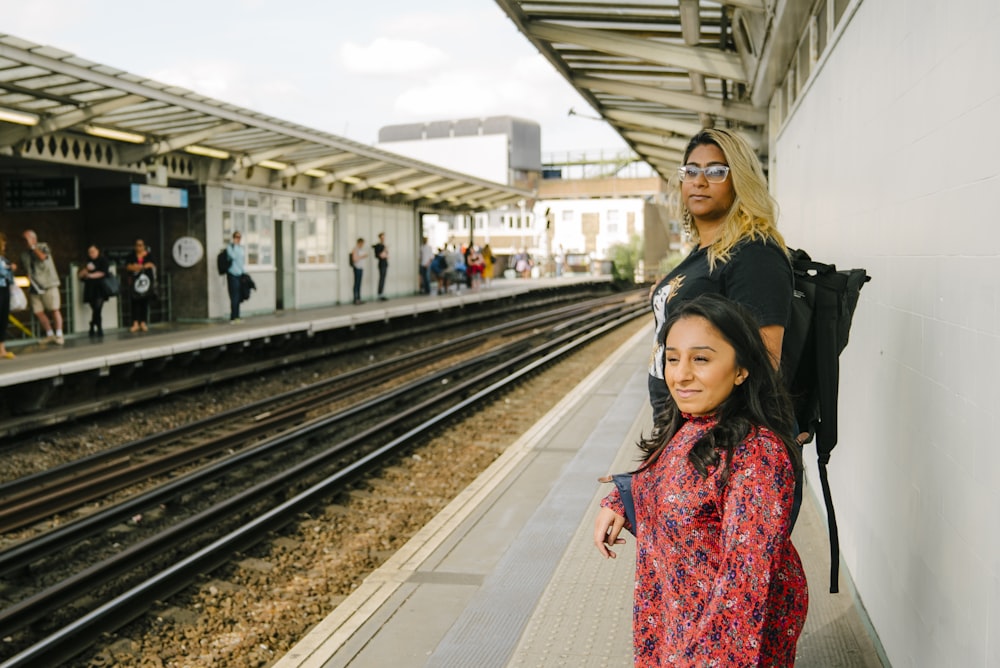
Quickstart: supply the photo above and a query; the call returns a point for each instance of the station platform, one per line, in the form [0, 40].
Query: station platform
[36, 361]
[507, 575]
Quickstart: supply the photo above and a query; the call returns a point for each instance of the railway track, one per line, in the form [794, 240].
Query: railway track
[164, 562]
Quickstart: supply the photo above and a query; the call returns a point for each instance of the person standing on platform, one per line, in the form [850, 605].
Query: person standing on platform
[382, 255]
[426, 257]
[237, 267]
[357, 255]
[731, 218]
[488, 263]
[718, 581]
[142, 276]
[474, 267]
[92, 274]
[6, 280]
[37, 262]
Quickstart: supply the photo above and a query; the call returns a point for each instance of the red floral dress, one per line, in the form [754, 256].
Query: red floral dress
[717, 580]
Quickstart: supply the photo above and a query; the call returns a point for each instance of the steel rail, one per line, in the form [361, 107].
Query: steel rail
[24, 554]
[74, 637]
[61, 414]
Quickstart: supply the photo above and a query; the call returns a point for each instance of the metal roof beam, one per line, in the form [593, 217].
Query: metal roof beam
[736, 111]
[752, 5]
[384, 180]
[653, 151]
[11, 136]
[640, 120]
[670, 142]
[133, 154]
[318, 163]
[419, 182]
[708, 61]
[337, 175]
[462, 191]
[435, 194]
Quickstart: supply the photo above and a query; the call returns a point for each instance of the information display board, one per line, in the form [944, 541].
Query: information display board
[41, 194]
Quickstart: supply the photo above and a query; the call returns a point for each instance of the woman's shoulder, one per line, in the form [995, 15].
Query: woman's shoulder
[761, 442]
[753, 247]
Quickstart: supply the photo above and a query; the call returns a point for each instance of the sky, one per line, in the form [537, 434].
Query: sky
[346, 67]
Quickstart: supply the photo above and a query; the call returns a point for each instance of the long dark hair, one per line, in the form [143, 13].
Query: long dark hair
[760, 401]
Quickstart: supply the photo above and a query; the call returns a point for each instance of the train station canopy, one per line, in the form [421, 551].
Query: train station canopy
[57, 107]
[659, 72]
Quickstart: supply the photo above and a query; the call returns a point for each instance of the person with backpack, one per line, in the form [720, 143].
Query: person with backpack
[142, 281]
[717, 579]
[357, 255]
[234, 276]
[731, 218]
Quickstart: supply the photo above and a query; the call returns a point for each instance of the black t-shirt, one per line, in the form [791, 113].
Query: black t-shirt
[757, 275]
[378, 249]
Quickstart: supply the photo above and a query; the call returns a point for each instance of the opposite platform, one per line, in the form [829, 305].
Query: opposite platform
[507, 574]
[81, 355]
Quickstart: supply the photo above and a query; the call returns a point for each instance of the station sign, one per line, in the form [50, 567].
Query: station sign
[41, 194]
[149, 195]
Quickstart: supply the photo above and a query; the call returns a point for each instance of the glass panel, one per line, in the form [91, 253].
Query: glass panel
[301, 245]
[252, 198]
[239, 197]
[266, 240]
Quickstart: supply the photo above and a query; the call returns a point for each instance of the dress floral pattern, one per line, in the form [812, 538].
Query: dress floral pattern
[717, 582]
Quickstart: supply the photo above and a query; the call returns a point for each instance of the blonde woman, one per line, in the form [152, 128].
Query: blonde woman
[729, 215]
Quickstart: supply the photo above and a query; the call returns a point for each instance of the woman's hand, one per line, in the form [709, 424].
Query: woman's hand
[607, 526]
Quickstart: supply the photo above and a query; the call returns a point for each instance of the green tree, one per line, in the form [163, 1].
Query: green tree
[626, 258]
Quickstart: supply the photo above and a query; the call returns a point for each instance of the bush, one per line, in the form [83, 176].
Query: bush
[626, 259]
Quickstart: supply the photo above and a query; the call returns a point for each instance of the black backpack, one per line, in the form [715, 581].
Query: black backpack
[223, 261]
[819, 326]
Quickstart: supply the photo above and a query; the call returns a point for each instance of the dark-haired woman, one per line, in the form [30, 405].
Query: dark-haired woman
[92, 274]
[142, 276]
[718, 582]
[6, 280]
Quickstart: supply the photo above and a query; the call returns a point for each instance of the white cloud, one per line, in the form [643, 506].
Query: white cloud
[390, 56]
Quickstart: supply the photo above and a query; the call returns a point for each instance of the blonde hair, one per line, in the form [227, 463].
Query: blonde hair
[754, 213]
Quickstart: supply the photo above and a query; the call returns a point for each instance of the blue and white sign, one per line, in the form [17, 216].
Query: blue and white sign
[148, 195]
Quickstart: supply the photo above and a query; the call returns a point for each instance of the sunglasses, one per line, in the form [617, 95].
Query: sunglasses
[713, 173]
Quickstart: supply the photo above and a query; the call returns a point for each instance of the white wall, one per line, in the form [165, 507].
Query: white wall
[402, 236]
[892, 162]
[485, 157]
